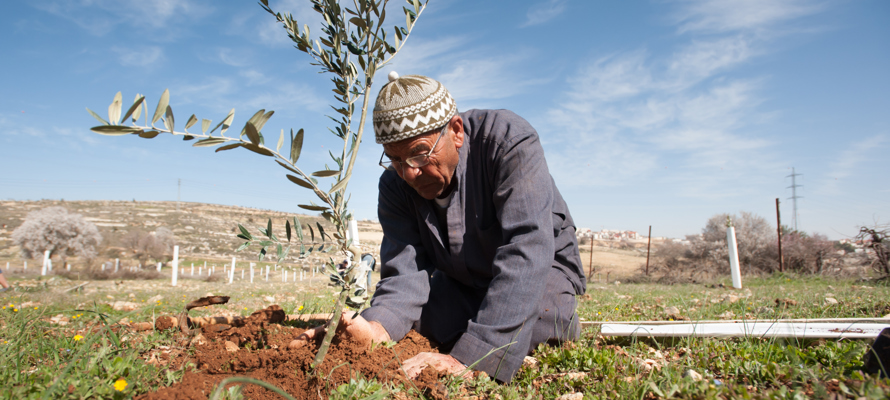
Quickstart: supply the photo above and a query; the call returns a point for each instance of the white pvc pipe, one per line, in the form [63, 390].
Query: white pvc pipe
[734, 258]
[45, 262]
[175, 264]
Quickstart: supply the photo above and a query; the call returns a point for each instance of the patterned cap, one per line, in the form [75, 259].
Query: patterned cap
[410, 105]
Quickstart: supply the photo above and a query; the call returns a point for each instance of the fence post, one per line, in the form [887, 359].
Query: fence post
[117, 264]
[175, 265]
[733, 255]
[45, 258]
[779, 234]
[232, 272]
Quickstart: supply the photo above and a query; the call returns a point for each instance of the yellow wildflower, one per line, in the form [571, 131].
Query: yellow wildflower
[77, 338]
[120, 385]
[300, 309]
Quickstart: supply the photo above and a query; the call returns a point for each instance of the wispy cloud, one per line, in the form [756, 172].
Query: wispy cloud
[636, 113]
[99, 17]
[850, 160]
[544, 11]
[720, 16]
[140, 56]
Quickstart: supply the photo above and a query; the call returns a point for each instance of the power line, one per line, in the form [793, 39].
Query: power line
[794, 196]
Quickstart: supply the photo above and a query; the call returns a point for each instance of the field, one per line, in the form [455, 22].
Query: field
[58, 344]
[89, 334]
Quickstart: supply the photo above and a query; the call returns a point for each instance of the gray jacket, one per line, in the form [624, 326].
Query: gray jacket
[508, 226]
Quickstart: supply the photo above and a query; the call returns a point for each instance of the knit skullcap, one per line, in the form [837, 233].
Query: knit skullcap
[410, 105]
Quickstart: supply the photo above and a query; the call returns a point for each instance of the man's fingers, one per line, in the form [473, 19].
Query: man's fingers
[306, 337]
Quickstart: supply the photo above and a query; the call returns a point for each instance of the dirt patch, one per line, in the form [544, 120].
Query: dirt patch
[257, 347]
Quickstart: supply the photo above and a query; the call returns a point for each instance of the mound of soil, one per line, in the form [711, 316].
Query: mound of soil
[257, 347]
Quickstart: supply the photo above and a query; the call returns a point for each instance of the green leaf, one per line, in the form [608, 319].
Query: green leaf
[358, 22]
[134, 108]
[243, 246]
[321, 231]
[269, 228]
[296, 146]
[138, 111]
[162, 106]
[228, 147]
[340, 185]
[209, 142]
[96, 116]
[299, 227]
[205, 123]
[311, 207]
[186, 138]
[244, 231]
[168, 120]
[225, 123]
[311, 234]
[114, 109]
[300, 182]
[289, 168]
[266, 243]
[287, 229]
[262, 254]
[325, 173]
[191, 121]
[416, 6]
[280, 141]
[257, 149]
[149, 134]
[280, 252]
[114, 130]
[261, 121]
[252, 133]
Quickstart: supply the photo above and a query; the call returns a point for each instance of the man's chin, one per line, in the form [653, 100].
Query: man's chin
[428, 192]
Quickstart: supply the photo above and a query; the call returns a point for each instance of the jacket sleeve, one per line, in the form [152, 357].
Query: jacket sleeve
[498, 339]
[404, 285]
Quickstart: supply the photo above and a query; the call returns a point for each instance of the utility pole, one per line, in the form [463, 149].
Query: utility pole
[794, 196]
[178, 192]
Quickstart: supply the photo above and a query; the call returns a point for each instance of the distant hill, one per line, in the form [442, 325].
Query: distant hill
[201, 229]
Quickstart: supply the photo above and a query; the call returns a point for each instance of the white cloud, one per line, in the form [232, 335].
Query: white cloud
[144, 56]
[544, 11]
[714, 16]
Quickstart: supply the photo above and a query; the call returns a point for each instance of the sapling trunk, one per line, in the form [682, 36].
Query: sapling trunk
[335, 319]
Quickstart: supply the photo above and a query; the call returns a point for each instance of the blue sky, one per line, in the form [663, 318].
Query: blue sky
[659, 113]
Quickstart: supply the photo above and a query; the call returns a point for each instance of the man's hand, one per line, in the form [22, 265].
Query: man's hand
[441, 362]
[358, 330]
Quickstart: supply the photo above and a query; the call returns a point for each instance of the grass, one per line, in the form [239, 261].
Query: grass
[90, 358]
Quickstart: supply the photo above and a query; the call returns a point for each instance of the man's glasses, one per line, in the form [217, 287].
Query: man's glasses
[414, 162]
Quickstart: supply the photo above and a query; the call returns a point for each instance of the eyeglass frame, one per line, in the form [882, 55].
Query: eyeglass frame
[426, 157]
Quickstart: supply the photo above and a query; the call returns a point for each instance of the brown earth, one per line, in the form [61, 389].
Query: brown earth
[257, 347]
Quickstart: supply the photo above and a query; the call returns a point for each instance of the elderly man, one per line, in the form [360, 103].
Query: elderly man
[479, 251]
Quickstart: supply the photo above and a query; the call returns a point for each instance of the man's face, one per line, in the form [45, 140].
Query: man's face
[430, 180]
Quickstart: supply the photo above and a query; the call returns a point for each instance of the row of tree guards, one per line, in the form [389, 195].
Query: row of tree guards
[229, 269]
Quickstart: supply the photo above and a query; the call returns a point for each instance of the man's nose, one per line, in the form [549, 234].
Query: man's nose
[409, 173]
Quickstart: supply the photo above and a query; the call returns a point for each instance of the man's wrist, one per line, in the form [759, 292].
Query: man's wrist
[380, 333]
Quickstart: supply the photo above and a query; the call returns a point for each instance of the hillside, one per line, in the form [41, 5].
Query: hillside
[202, 230]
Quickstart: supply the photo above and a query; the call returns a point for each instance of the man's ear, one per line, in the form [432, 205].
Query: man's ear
[457, 127]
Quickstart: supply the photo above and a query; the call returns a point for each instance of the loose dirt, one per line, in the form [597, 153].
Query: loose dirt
[257, 347]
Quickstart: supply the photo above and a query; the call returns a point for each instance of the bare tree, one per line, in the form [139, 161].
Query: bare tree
[144, 246]
[754, 235]
[875, 240]
[58, 231]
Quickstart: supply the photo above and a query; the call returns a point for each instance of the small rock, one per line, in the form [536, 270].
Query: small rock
[231, 347]
[209, 294]
[830, 287]
[830, 300]
[730, 298]
[529, 361]
[199, 339]
[155, 299]
[124, 306]
[829, 294]
[617, 283]
[727, 315]
[131, 295]
[672, 312]
[110, 297]
[765, 310]
[269, 299]
[691, 374]
[571, 396]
